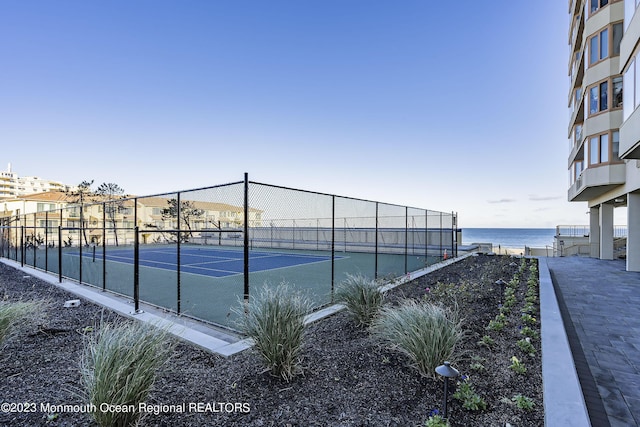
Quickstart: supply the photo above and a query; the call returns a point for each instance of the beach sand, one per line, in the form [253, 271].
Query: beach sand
[501, 250]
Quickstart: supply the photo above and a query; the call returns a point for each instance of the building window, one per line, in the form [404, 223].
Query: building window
[604, 105]
[636, 80]
[631, 83]
[602, 46]
[615, 146]
[575, 171]
[628, 96]
[604, 148]
[616, 102]
[595, 5]
[577, 136]
[44, 207]
[593, 50]
[593, 100]
[594, 150]
[629, 10]
[617, 38]
[599, 96]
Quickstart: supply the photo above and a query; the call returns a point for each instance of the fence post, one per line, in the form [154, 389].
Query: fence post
[33, 238]
[440, 233]
[46, 241]
[82, 231]
[246, 237]
[333, 244]
[104, 245]
[178, 260]
[16, 242]
[426, 237]
[375, 273]
[406, 239]
[60, 253]
[22, 245]
[136, 270]
[454, 236]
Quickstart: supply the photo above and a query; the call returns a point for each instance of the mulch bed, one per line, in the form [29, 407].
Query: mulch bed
[350, 378]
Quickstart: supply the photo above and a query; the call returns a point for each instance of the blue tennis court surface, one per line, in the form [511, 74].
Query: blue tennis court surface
[209, 262]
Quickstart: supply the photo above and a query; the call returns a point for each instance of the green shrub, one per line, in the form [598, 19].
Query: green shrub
[361, 296]
[118, 367]
[437, 421]
[425, 332]
[523, 402]
[16, 315]
[470, 400]
[526, 346]
[517, 366]
[487, 341]
[528, 332]
[527, 318]
[495, 325]
[275, 321]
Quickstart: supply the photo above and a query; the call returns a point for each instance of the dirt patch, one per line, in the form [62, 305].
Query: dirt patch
[350, 378]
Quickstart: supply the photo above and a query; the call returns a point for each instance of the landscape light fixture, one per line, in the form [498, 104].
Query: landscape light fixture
[447, 371]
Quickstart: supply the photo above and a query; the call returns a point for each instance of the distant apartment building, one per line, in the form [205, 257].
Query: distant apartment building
[114, 221]
[604, 124]
[12, 185]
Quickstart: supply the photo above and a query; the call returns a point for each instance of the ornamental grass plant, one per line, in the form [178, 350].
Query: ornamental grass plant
[427, 333]
[118, 367]
[361, 296]
[274, 319]
[16, 315]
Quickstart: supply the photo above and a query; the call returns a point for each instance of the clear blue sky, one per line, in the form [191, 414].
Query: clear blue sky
[452, 106]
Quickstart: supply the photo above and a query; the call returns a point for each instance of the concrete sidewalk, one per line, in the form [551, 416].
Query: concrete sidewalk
[600, 306]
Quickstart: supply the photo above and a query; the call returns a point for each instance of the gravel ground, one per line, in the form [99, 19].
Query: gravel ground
[349, 379]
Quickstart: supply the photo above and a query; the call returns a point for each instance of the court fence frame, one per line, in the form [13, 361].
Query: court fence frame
[392, 240]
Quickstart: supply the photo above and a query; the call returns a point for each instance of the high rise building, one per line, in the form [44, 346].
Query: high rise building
[630, 128]
[604, 126]
[12, 185]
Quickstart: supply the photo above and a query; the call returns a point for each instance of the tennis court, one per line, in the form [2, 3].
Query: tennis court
[191, 244]
[210, 262]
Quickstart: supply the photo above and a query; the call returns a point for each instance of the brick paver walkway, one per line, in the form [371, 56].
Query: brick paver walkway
[600, 305]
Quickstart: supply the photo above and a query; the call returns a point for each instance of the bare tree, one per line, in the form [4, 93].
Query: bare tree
[188, 212]
[81, 195]
[113, 197]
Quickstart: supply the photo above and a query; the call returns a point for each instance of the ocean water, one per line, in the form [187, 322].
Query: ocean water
[510, 237]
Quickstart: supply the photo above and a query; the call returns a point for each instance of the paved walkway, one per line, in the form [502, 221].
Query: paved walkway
[600, 305]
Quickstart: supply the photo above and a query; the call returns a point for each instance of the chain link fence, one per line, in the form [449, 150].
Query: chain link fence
[201, 252]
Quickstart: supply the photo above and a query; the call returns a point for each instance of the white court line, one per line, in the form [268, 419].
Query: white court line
[228, 273]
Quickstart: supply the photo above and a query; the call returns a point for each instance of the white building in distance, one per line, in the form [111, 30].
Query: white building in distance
[12, 185]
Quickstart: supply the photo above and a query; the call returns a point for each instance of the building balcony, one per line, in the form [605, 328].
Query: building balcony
[595, 181]
[629, 132]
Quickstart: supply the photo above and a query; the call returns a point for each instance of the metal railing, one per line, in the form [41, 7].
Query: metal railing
[619, 231]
